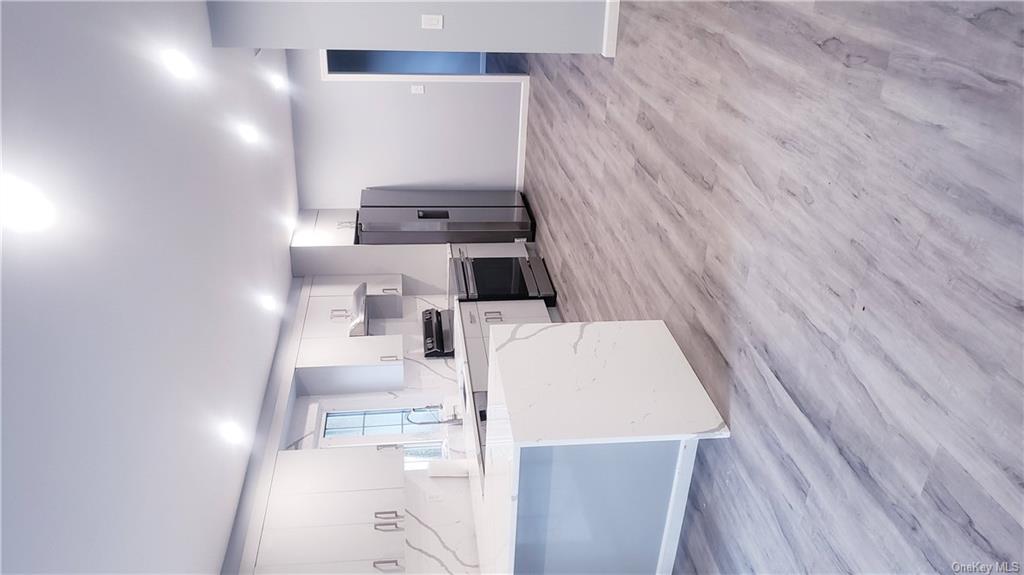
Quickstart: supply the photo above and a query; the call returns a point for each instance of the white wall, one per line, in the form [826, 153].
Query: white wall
[130, 328]
[561, 26]
[355, 134]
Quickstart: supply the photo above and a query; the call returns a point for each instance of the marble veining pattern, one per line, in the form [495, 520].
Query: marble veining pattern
[823, 200]
[440, 535]
[593, 382]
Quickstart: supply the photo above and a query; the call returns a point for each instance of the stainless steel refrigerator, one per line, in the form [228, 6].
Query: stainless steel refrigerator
[402, 216]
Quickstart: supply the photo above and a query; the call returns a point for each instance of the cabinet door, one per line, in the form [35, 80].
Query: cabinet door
[325, 228]
[372, 350]
[321, 509]
[338, 469]
[336, 221]
[334, 506]
[341, 285]
[329, 316]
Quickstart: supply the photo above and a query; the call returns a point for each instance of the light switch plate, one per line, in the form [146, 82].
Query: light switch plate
[417, 89]
[431, 21]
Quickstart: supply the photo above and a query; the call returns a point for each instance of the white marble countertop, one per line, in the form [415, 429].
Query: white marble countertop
[599, 382]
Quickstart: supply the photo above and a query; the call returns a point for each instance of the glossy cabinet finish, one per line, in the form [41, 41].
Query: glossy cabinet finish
[383, 291]
[339, 285]
[370, 350]
[335, 510]
[475, 320]
[329, 316]
[325, 228]
[331, 365]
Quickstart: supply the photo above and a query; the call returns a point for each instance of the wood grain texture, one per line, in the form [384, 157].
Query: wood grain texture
[824, 202]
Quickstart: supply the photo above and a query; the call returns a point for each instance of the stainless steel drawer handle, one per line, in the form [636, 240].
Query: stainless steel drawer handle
[472, 318]
[384, 446]
[492, 313]
[389, 526]
[389, 358]
[384, 563]
[493, 320]
[386, 515]
[340, 313]
[390, 290]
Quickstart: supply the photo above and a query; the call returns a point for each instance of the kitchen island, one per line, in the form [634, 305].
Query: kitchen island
[592, 431]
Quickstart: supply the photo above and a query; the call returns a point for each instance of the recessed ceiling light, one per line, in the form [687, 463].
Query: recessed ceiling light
[289, 222]
[231, 433]
[248, 133]
[277, 81]
[178, 64]
[268, 302]
[23, 208]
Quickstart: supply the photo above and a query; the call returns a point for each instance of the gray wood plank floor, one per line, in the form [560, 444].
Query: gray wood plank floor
[824, 203]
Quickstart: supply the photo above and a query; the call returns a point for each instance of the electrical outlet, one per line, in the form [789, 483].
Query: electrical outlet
[417, 89]
[431, 21]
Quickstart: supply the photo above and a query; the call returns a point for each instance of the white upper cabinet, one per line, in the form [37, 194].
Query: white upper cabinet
[333, 365]
[329, 316]
[325, 228]
[376, 284]
[350, 351]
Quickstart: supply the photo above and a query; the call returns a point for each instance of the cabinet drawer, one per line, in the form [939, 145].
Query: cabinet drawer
[337, 543]
[392, 565]
[329, 316]
[516, 311]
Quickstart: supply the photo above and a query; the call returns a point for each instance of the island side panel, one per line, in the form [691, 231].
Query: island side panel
[594, 508]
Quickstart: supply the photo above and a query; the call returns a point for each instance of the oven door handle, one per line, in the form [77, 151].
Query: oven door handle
[531, 283]
[467, 265]
[460, 278]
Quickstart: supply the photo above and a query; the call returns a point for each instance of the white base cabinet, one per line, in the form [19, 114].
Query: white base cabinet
[343, 567]
[477, 318]
[335, 511]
